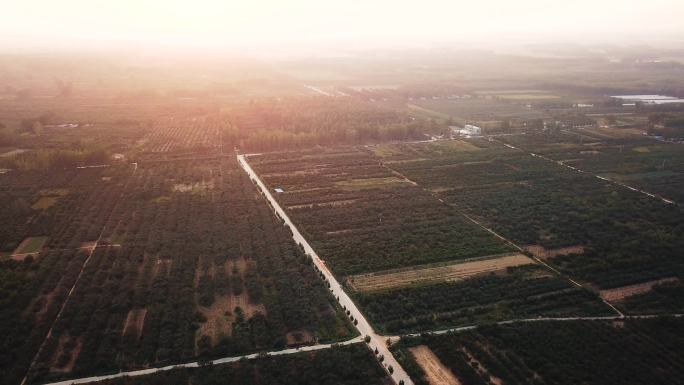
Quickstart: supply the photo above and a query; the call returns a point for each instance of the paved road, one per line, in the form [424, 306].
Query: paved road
[196, 364]
[377, 341]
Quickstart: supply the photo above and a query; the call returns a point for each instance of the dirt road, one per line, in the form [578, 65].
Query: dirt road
[195, 364]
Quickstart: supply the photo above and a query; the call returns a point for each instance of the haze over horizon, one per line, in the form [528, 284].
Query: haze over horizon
[328, 25]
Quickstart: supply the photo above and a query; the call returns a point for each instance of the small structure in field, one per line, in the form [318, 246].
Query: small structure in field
[468, 130]
[278, 190]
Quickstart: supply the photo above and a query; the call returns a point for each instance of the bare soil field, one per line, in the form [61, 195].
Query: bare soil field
[370, 183]
[44, 203]
[621, 293]
[134, 322]
[300, 337]
[435, 372]
[540, 252]
[66, 354]
[88, 245]
[196, 188]
[221, 313]
[435, 273]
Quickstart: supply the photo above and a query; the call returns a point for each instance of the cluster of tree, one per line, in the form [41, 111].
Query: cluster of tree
[591, 352]
[479, 299]
[666, 124]
[534, 201]
[57, 159]
[185, 134]
[33, 290]
[348, 205]
[35, 125]
[191, 233]
[300, 123]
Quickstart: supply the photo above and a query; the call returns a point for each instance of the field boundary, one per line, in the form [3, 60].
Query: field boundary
[506, 240]
[450, 271]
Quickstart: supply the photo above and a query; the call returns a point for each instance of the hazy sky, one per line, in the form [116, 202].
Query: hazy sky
[273, 23]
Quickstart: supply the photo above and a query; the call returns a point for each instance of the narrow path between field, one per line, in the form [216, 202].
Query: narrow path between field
[399, 374]
[197, 364]
[538, 319]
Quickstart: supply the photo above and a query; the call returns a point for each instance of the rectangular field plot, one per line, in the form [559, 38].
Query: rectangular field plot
[33, 289]
[639, 352]
[361, 217]
[481, 109]
[441, 272]
[181, 135]
[435, 372]
[30, 245]
[196, 272]
[642, 163]
[594, 230]
[519, 292]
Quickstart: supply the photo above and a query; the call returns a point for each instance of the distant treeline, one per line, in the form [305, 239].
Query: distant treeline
[298, 123]
[55, 159]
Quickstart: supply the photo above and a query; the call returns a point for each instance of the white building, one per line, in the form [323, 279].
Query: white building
[467, 131]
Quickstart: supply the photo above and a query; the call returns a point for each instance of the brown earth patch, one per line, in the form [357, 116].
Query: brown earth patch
[300, 337]
[540, 252]
[323, 204]
[435, 371]
[47, 301]
[60, 364]
[133, 325]
[221, 314]
[292, 173]
[89, 245]
[219, 320]
[337, 232]
[621, 293]
[436, 272]
[196, 187]
[44, 203]
[480, 369]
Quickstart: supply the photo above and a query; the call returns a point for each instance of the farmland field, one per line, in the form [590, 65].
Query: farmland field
[522, 292]
[440, 272]
[31, 245]
[479, 109]
[177, 291]
[341, 220]
[591, 352]
[642, 163]
[33, 290]
[319, 214]
[616, 237]
[346, 202]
